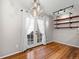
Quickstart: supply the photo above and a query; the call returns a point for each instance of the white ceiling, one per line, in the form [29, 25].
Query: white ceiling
[47, 5]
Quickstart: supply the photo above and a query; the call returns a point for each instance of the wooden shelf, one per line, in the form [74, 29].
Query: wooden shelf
[66, 27]
[67, 18]
[62, 23]
[69, 23]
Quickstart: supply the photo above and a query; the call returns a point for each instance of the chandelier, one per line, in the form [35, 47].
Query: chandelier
[36, 8]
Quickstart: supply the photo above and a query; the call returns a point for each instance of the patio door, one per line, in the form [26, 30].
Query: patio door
[34, 38]
[34, 32]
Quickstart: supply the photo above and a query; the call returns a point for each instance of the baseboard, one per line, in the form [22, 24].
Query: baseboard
[49, 42]
[66, 44]
[10, 54]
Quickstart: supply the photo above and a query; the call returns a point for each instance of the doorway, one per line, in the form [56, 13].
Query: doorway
[34, 29]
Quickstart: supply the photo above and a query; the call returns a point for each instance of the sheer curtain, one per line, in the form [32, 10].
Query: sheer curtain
[28, 25]
[41, 24]
[29, 22]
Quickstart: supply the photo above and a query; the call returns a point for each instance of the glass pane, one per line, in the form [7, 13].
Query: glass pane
[39, 37]
[30, 38]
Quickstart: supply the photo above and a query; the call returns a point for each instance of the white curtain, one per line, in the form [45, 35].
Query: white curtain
[41, 24]
[29, 23]
[28, 28]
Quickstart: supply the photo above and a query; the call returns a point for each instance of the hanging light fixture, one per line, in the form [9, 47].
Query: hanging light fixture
[36, 8]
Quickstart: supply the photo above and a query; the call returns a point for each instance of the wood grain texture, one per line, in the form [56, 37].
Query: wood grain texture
[50, 51]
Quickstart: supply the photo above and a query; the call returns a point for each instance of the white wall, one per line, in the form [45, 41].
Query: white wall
[0, 27]
[11, 29]
[49, 31]
[68, 36]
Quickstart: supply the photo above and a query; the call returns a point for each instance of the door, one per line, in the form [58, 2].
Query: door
[34, 38]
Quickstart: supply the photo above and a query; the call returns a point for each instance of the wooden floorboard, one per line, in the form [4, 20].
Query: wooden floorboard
[50, 51]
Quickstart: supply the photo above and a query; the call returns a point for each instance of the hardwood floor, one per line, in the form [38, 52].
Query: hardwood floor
[51, 51]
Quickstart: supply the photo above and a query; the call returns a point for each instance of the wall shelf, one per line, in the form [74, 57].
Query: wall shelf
[68, 22]
[66, 27]
[67, 18]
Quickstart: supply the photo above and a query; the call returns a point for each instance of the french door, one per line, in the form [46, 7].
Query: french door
[34, 38]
